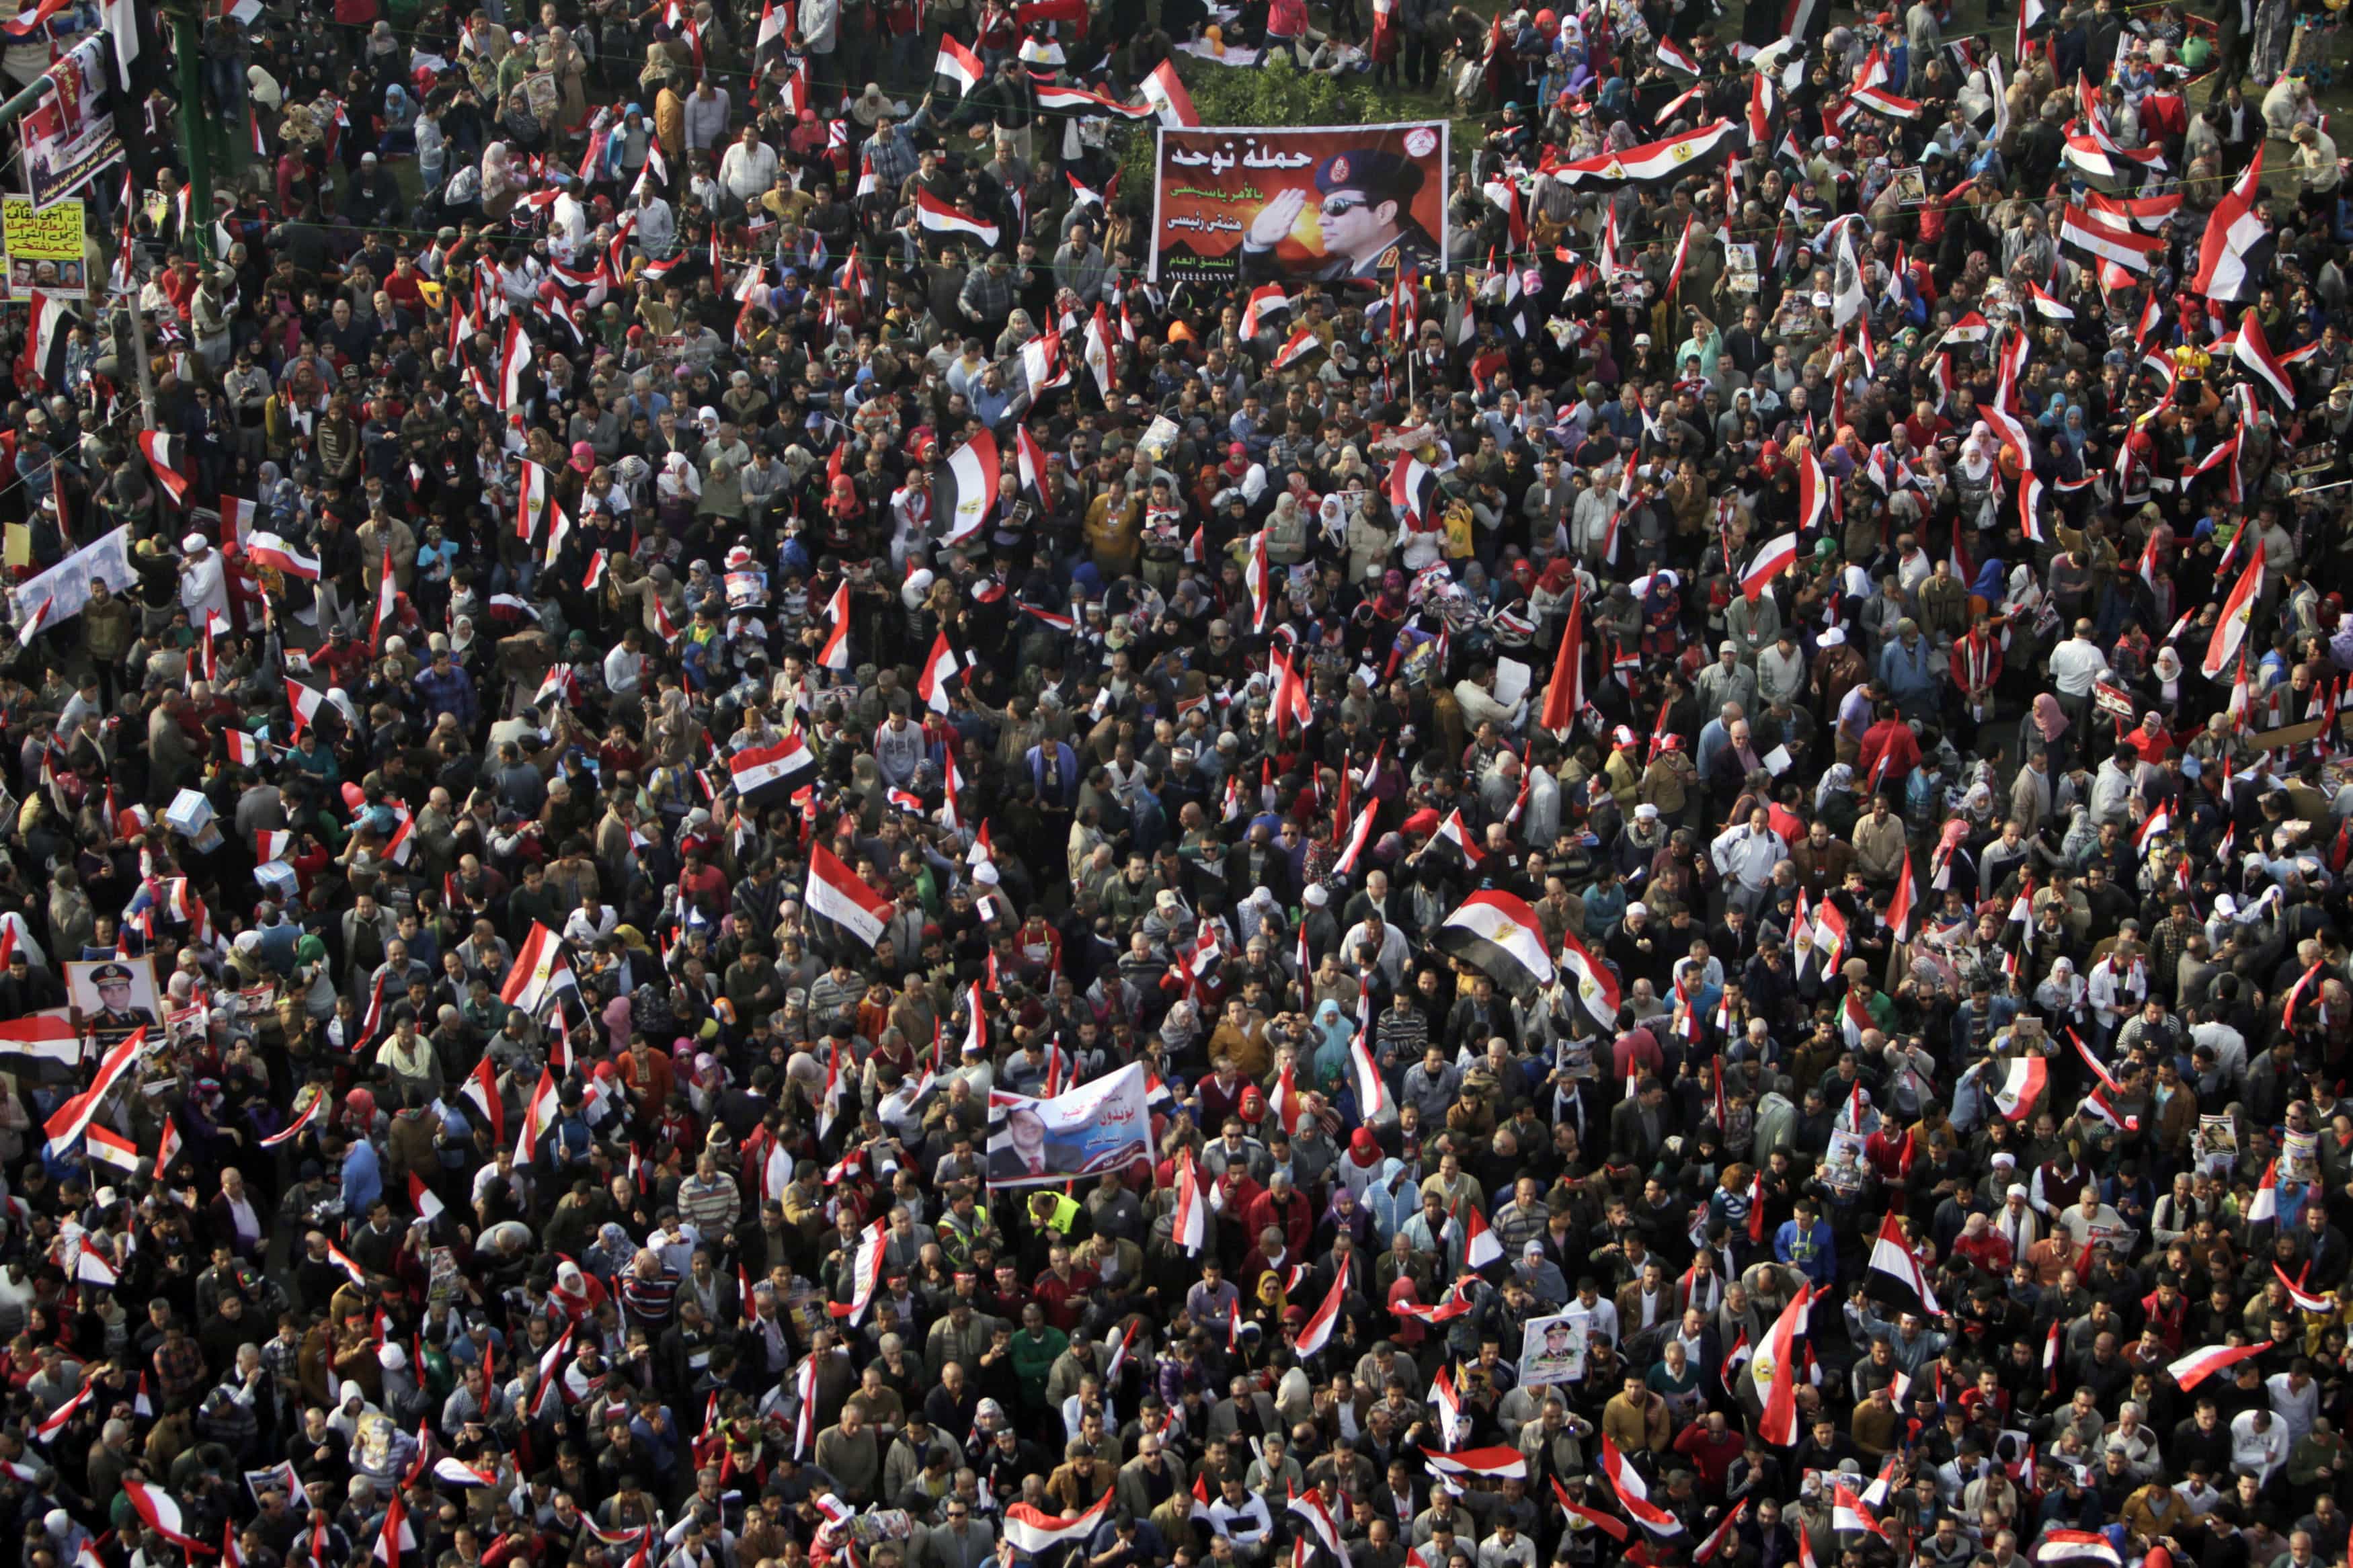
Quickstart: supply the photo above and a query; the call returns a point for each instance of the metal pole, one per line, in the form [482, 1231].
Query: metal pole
[139, 347]
[195, 129]
[25, 102]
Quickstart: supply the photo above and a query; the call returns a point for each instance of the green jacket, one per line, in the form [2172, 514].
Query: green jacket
[1034, 1356]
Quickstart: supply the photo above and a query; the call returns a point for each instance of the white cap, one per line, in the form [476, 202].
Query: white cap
[1637, 908]
[1646, 812]
[392, 1358]
[1317, 896]
[191, 544]
[107, 1196]
[985, 873]
[2015, 1191]
[1833, 637]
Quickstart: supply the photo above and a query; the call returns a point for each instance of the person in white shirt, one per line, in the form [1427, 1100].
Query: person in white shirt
[2296, 1398]
[2259, 1443]
[2075, 664]
[1746, 854]
[625, 664]
[749, 167]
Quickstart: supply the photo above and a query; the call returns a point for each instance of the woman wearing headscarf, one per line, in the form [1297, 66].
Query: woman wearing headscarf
[1332, 1031]
[2045, 729]
[2060, 996]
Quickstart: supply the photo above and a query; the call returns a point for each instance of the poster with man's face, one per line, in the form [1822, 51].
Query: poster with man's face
[116, 995]
[1096, 1127]
[1331, 204]
[1552, 1350]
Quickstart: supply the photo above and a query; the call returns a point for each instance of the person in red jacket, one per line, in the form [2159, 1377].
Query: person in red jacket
[1282, 1207]
[1711, 1444]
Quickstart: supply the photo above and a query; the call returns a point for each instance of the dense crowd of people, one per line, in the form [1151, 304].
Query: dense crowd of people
[1714, 815]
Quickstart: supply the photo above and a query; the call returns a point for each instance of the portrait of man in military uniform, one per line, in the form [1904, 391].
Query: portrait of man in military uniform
[1365, 211]
[115, 997]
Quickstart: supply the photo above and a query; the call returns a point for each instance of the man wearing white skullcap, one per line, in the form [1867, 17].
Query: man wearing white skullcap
[204, 584]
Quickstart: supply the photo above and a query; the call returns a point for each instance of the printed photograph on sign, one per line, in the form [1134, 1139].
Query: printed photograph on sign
[116, 995]
[1552, 1350]
[1327, 205]
[71, 136]
[1096, 1127]
[44, 247]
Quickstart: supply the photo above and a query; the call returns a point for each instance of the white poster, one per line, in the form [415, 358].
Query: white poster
[106, 559]
[1552, 1350]
[1096, 1127]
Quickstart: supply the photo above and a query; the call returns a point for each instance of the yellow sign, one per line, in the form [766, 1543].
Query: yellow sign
[45, 246]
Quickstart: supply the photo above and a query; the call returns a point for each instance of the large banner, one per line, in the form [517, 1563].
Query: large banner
[1330, 205]
[1096, 1127]
[71, 136]
[65, 586]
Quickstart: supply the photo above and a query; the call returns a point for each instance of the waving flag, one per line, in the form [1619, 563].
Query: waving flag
[1497, 933]
[1634, 1493]
[1892, 1256]
[1491, 1464]
[1036, 1532]
[1668, 159]
[1775, 1367]
[835, 896]
[2235, 254]
[2187, 1372]
[1191, 1218]
[2021, 1086]
[1317, 1331]
[2238, 610]
[1772, 558]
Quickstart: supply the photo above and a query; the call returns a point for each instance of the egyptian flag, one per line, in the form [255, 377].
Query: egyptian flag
[1879, 100]
[1164, 90]
[939, 668]
[264, 549]
[1674, 57]
[108, 1147]
[837, 897]
[1413, 490]
[1497, 934]
[1774, 557]
[1036, 1532]
[2090, 232]
[421, 1198]
[1614, 1528]
[2021, 1086]
[160, 1513]
[1190, 1224]
[2255, 353]
[2199, 1366]
[967, 488]
[294, 1127]
[1565, 693]
[939, 217]
[1774, 1366]
[2235, 255]
[1813, 500]
[959, 65]
[1670, 159]
[2305, 1299]
[1265, 301]
[539, 970]
[164, 454]
[1455, 839]
[835, 653]
[1257, 579]
[513, 359]
[1491, 1464]
[765, 775]
[1891, 1255]
[1480, 1246]
[52, 323]
[2237, 610]
[1301, 343]
[1634, 1493]
[2076, 1545]
[2295, 995]
[1596, 984]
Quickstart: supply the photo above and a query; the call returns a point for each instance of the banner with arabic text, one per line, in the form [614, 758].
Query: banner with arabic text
[1332, 203]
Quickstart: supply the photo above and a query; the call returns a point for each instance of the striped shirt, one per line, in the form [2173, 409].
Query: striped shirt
[650, 1301]
[709, 1206]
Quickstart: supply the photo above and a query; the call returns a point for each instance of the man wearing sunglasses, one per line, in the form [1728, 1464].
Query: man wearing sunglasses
[1364, 209]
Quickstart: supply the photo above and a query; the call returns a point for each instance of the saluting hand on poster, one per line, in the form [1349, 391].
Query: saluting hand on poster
[1276, 219]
